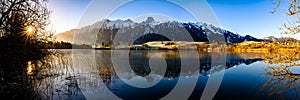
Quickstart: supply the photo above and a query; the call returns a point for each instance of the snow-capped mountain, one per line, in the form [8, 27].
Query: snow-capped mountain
[201, 32]
[106, 31]
[280, 39]
[111, 24]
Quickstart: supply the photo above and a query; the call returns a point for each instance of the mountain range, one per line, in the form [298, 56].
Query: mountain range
[281, 39]
[128, 31]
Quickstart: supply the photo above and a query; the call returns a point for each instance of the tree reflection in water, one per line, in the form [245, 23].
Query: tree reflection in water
[59, 78]
[54, 77]
[283, 82]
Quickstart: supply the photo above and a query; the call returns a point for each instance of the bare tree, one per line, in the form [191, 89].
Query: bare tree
[20, 15]
[293, 10]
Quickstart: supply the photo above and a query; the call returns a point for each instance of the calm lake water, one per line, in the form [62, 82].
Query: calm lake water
[146, 74]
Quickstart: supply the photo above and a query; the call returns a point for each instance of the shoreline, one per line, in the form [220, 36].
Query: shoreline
[229, 50]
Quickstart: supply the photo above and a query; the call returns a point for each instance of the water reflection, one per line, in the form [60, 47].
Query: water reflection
[139, 79]
[59, 77]
[54, 77]
[142, 73]
[283, 82]
[29, 68]
[139, 62]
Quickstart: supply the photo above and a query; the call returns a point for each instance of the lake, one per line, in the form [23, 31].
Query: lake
[165, 74]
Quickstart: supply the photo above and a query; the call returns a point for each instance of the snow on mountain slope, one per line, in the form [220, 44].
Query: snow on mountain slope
[105, 30]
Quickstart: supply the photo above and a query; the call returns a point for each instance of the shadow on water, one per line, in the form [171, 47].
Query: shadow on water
[15, 53]
[37, 76]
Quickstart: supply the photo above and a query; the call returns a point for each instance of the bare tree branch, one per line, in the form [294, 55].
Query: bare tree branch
[293, 10]
[31, 12]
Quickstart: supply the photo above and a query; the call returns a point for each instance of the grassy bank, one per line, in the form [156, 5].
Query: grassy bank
[264, 47]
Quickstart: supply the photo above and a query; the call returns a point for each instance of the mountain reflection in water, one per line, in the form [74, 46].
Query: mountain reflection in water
[90, 73]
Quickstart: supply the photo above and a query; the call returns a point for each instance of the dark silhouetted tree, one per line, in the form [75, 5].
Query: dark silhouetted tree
[16, 16]
[22, 32]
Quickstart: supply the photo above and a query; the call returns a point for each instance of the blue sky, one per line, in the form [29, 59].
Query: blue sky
[66, 13]
[250, 16]
[239, 16]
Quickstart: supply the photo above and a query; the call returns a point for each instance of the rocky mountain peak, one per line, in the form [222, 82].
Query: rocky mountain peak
[150, 20]
[200, 32]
